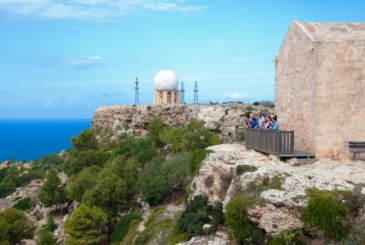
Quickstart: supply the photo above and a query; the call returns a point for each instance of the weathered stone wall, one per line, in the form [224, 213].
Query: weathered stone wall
[223, 119]
[340, 96]
[320, 81]
[295, 87]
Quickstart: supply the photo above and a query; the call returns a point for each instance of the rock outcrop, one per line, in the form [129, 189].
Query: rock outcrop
[278, 209]
[224, 119]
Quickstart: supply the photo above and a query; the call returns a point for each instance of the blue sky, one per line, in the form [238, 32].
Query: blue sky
[63, 59]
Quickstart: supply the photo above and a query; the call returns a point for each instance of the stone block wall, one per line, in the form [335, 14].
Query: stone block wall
[320, 91]
[295, 87]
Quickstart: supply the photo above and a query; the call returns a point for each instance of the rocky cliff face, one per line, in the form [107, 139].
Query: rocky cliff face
[278, 208]
[224, 119]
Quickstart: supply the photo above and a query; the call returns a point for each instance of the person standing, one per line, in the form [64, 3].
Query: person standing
[275, 125]
[261, 120]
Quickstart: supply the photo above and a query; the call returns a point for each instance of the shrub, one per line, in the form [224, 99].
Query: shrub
[132, 231]
[6, 189]
[241, 169]
[287, 238]
[22, 204]
[45, 238]
[208, 181]
[51, 225]
[197, 214]
[195, 160]
[241, 229]
[326, 211]
[143, 237]
[164, 177]
[256, 103]
[240, 134]
[121, 228]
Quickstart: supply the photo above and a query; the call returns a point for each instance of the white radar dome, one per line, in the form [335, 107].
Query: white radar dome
[166, 80]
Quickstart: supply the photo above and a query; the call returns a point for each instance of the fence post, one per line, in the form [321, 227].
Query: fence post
[279, 142]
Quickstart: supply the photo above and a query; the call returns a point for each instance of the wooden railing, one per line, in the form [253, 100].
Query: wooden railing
[268, 141]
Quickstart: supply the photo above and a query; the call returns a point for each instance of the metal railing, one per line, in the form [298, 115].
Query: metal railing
[268, 141]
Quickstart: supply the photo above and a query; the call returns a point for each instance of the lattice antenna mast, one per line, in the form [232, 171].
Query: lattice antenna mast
[196, 93]
[182, 91]
[136, 101]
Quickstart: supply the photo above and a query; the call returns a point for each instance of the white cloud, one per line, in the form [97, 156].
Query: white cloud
[264, 54]
[91, 10]
[48, 104]
[83, 61]
[236, 96]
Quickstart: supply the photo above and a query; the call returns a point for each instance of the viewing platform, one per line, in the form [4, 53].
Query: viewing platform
[279, 143]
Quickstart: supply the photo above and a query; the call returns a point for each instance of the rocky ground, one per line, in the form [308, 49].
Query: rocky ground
[278, 208]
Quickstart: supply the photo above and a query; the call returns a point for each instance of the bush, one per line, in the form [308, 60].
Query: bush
[195, 160]
[326, 211]
[121, 228]
[22, 204]
[256, 103]
[6, 189]
[241, 229]
[240, 134]
[197, 214]
[164, 177]
[45, 238]
[143, 237]
[241, 169]
[51, 225]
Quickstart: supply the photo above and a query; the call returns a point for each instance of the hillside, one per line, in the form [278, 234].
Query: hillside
[149, 179]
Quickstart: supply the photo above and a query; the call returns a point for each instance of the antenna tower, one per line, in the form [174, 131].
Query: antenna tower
[136, 101]
[182, 91]
[196, 93]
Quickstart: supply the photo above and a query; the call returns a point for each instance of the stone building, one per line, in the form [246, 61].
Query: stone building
[166, 83]
[320, 86]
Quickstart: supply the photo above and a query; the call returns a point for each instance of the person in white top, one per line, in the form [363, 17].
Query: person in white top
[261, 120]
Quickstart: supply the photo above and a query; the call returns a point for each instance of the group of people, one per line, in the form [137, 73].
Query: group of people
[266, 123]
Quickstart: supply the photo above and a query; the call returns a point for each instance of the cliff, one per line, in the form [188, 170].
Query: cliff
[223, 119]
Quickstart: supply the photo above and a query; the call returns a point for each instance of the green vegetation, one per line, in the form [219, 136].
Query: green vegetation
[22, 204]
[326, 211]
[52, 192]
[86, 226]
[241, 169]
[121, 228]
[240, 134]
[15, 227]
[241, 229]
[197, 214]
[164, 177]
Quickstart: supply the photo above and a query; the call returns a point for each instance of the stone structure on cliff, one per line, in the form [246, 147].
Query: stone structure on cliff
[166, 83]
[320, 86]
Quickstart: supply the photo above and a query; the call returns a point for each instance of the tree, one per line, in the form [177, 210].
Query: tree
[154, 128]
[110, 194]
[81, 182]
[86, 159]
[45, 238]
[85, 140]
[15, 227]
[52, 192]
[86, 226]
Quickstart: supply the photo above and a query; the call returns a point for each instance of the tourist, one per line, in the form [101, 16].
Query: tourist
[275, 125]
[248, 121]
[269, 123]
[261, 120]
[253, 122]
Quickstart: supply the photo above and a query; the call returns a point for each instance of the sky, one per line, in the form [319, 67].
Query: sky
[64, 59]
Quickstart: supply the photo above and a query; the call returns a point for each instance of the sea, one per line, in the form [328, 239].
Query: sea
[30, 139]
